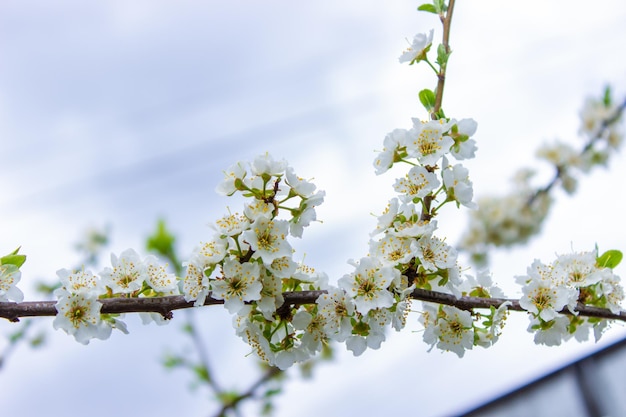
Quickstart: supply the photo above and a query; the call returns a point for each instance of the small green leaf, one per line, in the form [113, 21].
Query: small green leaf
[427, 98]
[440, 6]
[607, 96]
[172, 361]
[162, 241]
[202, 373]
[38, 340]
[442, 55]
[427, 8]
[13, 259]
[609, 259]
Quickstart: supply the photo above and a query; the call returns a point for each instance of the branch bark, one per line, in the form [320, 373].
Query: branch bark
[166, 305]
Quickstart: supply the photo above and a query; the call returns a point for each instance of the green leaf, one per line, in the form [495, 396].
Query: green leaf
[13, 259]
[427, 98]
[172, 361]
[442, 55]
[606, 99]
[609, 259]
[427, 8]
[202, 373]
[162, 241]
[440, 6]
[38, 340]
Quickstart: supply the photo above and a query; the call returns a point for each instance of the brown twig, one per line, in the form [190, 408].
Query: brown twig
[441, 76]
[165, 305]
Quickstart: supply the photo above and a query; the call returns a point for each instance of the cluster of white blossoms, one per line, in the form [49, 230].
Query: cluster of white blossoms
[570, 281]
[129, 276]
[248, 262]
[507, 220]
[408, 255]
[514, 218]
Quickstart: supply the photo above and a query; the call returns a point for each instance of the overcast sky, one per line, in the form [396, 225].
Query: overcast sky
[118, 112]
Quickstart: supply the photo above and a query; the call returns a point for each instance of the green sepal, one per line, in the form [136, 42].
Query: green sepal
[13, 259]
[427, 98]
[609, 259]
[427, 8]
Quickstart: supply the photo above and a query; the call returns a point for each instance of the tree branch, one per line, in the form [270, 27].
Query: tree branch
[165, 305]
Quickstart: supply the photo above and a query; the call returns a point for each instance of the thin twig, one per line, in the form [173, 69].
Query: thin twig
[270, 374]
[441, 76]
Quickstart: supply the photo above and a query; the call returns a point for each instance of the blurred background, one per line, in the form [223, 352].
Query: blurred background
[119, 113]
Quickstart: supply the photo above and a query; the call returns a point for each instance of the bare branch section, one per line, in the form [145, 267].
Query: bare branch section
[165, 305]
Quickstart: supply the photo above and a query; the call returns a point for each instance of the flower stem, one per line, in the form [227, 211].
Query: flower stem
[441, 75]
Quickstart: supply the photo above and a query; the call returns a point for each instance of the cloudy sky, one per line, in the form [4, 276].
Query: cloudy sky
[119, 113]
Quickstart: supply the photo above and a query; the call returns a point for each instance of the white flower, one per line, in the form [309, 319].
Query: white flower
[208, 254]
[252, 334]
[399, 315]
[464, 148]
[336, 309]
[313, 336]
[562, 155]
[489, 336]
[392, 250]
[236, 173]
[240, 283]
[159, 279]
[418, 183]
[368, 285]
[580, 269]
[458, 185]
[550, 333]
[434, 253]
[283, 267]
[79, 316]
[412, 226]
[230, 225]
[419, 47]
[195, 284]
[545, 299]
[594, 115]
[299, 186]
[612, 291]
[256, 209]
[386, 219]
[268, 239]
[128, 273]
[79, 282]
[393, 142]
[481, 286]
[271, 294]
[428, 319]
[305, 214]
[266, 165]
[454, 330]
[429, 141]
[9, 277]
